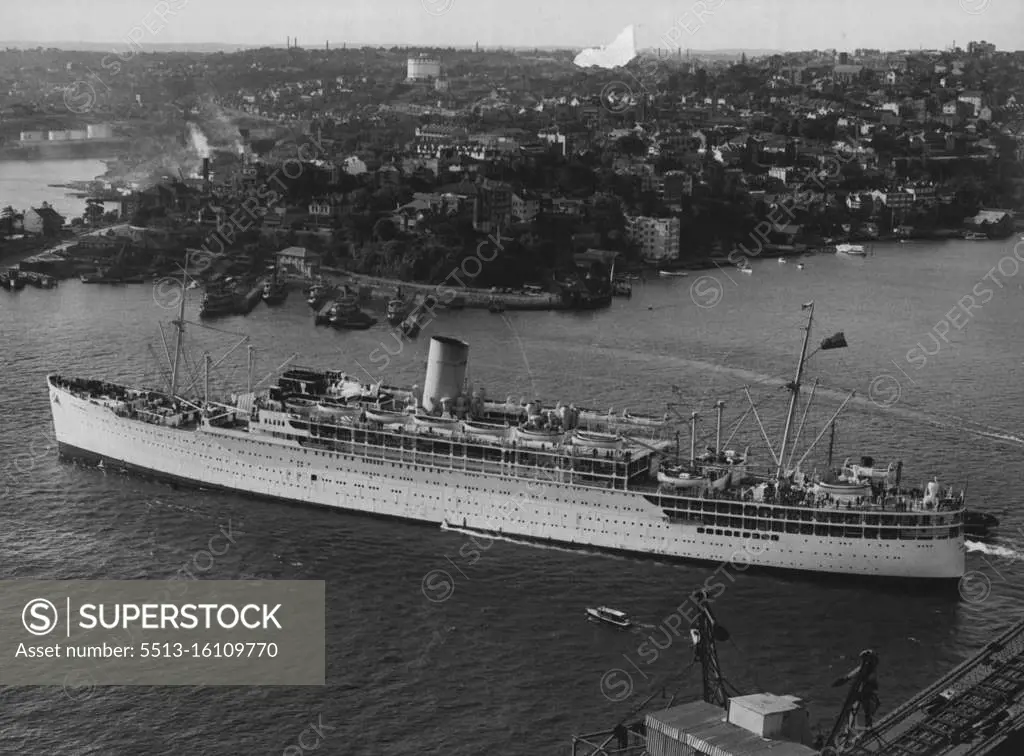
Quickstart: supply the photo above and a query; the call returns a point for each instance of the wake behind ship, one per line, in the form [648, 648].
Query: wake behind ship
[452, 457]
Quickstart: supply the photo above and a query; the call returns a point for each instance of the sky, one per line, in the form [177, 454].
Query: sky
[690, 24]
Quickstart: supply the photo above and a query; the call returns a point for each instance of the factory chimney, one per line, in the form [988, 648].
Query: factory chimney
[206, 175]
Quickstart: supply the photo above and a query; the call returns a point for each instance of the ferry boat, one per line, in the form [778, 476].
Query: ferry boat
[536, 484]
[609, 616]
[851, 250]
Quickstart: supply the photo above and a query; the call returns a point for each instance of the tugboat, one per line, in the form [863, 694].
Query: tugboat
[16, 280]
[396, 311]
[274, 292]
[346, 314]
[219, 299]
[609, 616]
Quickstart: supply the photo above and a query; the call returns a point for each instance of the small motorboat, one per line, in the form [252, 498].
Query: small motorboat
[748, 271]
[609, 616]
[799, 266]
[782, 261]
[673, 273]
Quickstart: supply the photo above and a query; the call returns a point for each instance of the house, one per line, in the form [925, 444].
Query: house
[846, 74]
[972, 98]
[657, 238]
[44, 221]
[525, 206]
[299, 262]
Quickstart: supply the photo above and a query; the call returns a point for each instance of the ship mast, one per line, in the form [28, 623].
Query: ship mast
[831, 443]
[179, 325]
[719, 406]
[794, 388]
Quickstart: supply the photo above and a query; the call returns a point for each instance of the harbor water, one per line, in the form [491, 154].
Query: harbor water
[437, 643]
[26, 183]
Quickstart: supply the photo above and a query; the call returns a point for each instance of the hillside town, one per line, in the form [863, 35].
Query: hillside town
[399, 163]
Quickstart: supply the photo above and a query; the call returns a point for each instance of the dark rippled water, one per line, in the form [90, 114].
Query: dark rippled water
[507, 664]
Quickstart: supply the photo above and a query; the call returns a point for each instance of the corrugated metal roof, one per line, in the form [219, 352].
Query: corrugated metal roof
[702, 725]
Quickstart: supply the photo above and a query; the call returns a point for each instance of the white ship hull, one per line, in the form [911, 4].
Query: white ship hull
[542, 510]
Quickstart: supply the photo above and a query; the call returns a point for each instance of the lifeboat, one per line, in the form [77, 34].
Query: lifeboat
[488, 430]
[386, 417]
[845, 489]
[647, 420]
[338, 409]
[680, 478]
[538, 434]
[867, 469]
[597, 440]
[436, 423]
[301, 406]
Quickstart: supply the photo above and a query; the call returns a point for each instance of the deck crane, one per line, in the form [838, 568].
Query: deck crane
[976, 709]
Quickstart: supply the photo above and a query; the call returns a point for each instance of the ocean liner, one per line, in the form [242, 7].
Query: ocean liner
[452, 457]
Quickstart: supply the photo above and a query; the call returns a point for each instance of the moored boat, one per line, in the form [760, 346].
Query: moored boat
[395, 312]
[274, 292]
[852, 250]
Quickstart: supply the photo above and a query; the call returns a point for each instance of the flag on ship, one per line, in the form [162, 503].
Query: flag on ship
[837, 341]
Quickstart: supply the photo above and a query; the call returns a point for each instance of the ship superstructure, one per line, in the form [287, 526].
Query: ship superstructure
[451, 456]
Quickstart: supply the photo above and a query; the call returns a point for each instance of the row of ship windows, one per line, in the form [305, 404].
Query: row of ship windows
[738, 533]
[417, 467]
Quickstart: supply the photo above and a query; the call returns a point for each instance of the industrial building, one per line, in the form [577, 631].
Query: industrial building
[423, 68]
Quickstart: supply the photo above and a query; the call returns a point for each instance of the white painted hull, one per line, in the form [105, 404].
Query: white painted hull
[553, 511]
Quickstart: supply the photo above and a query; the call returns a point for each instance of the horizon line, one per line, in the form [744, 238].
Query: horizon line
[69, 46]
